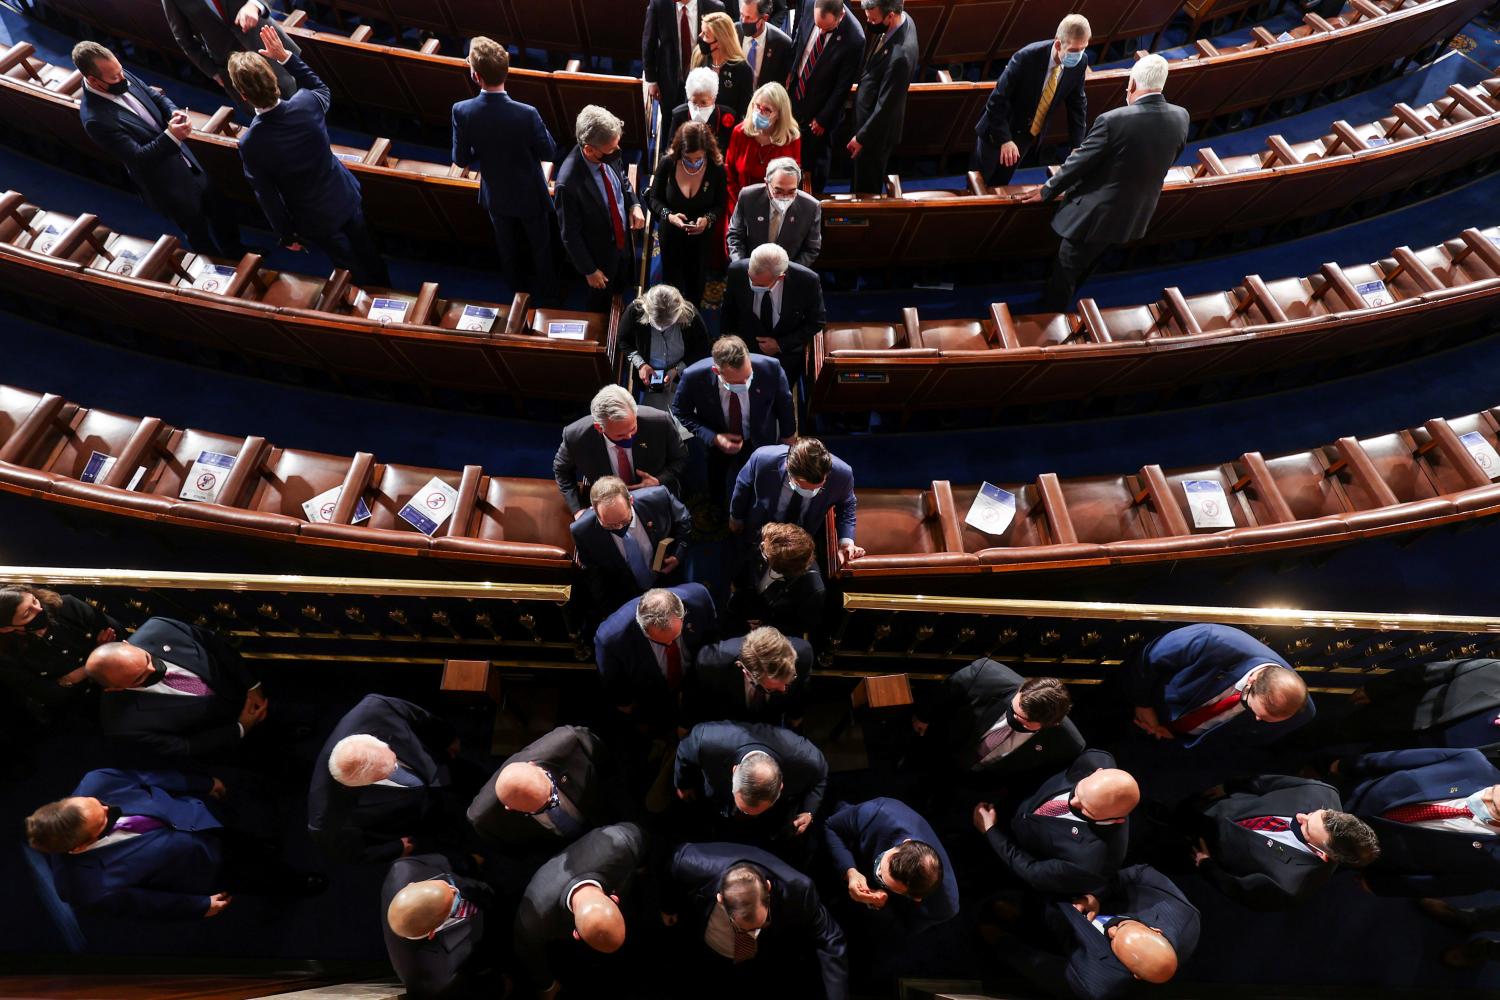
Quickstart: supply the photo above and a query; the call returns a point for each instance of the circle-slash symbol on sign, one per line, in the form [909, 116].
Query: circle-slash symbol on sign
[1211, 508]
[436, 500]
[206, 481]
[327, 512]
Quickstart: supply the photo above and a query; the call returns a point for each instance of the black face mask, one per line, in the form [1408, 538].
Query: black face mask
[119, 87]
[156, 676]
[113, 813]
[619, 532]
[40, 623]
[706, 49]
[875, 29]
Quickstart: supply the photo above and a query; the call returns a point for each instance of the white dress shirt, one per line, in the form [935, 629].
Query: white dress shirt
[1466, 825]
[660, 653]
[743, 430]
[635, 535]
[1227, 714]
[775, 292]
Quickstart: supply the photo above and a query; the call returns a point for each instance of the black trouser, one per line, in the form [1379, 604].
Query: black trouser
[987, 159]
[353, 246]
[1074, 263]
[621, 282]
[524, 243]
[870, 168]
[817, 155]
[684, 260]
[208, 222]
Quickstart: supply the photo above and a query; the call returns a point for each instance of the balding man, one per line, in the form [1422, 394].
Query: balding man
[433, 920]
[644, 650]
[1070, 836]
[773, 305]
[597, 209]
[617, 540]
[1113, 181]
[754, 783]
[548, 794]
[1215, 685]
[779, 212]
[640, 445]
[579, 896]
[176, 691]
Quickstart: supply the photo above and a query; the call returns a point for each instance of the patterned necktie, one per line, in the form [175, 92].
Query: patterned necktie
[812, 60]
[565, 818]
[614, 210]
[793, 513]
[674, 665]
[1045, 104]
[137, 824]
[750, 58]
[1421, 812]
[1205, 713]
[990, 742]
[744, 945]
[186, 682]
[685, 39]
[1052, 807]
[1266, 824]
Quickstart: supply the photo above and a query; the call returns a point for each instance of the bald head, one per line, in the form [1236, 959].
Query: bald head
[1145, 952]
[597, 920]
[420, 908]
[1108, 793]
[523, 787]
[115, 666]
[1274, 693]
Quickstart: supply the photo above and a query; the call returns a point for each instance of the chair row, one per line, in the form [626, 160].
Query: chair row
[1438, 474]
[1256, 327]
[328, 324]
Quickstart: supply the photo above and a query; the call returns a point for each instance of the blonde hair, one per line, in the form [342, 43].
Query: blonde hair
[721, 26]
[784, 129]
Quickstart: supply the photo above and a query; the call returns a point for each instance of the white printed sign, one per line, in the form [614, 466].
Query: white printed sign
[135, 480]
[430, 506]
[1377, 140]
[206, 478]
[124, 263]
[1209, 506]
[1374, 293]
[47, 239]
[1285, 36]
[213, 278]
[567, 329]
[96, 468]
[992, 510]
[480, 318]
[350, 157]
[389, 310]
[1483, 452]
[319, 509]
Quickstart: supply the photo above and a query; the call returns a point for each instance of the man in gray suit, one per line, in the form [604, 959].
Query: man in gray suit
[777, 212]
[1113, 180]
[210, 31]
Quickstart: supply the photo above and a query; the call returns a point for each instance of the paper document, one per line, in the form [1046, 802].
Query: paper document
[389, 310]
[1374, 293]
[319, 509]
[480, 318]
[992, 510]
[96, 468]
[135, 480]
[206, 478]
[567, 329]
[213, 278]
[1483, 452]
[430, 506]
[47, 239]
[1209, 505]
[124, 263]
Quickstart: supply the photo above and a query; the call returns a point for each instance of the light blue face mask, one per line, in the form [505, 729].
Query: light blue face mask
[802, 491]
[1479, 808]
[739, 390]
[762, 122]
[1071, 59]
[692, 167]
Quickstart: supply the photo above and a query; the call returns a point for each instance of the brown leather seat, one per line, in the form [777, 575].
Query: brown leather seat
[1103, 509]
[273, 500]
[900, 527]
[873, 337]
[949, 336]
[391, 487]
[1045, 329]
[68, 444]
[529, 515]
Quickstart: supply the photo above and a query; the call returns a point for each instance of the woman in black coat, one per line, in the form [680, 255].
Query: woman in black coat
[661, 334]
[45, 637]
[687, 197]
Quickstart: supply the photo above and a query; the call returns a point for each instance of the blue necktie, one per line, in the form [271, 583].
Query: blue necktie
[750, 56]
[639, 567]
[568, 826]
[402, 776]
[793, 513]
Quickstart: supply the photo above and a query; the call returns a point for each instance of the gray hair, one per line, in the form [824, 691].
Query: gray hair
[611, 404]
[1149, 74]
[758, 780]
[783, 164]
[664, 305]
[1073, 28]
[659, 608]
[769, 258]
[596, 126]
[703, 80]
[886, 7]
[358, 760]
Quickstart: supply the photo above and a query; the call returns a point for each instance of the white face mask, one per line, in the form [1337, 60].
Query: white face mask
[802, 491]
[783, 202]
[700, 115]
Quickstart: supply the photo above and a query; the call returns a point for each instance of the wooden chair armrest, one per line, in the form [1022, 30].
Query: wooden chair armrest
[913, 324]
[1178, 307]
[1259, 476]
[420, 313]
[1339, 281]
[1262, 297]
[1357, 461]
[160, 260]
[247, 270]
[1455, 454]
[378, 152]
[1005, 325]
[1159, 491]
[1344, 135]
[1093, 321]
[1055, 507]
[1412, 265]
[948, 519]
[82, 229]
[134, 454]
[31, 427]
[463, 507]
[246, 466]
[356, 481]
[335, 290]
[1481, 246]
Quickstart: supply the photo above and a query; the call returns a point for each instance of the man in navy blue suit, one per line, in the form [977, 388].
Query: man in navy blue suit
[616, 540]
[758, 782]
[304, 190]
[775, 305]
[734, 402]
[147, 134]
[644, 649]
[795, 485]
[1037, 79]
[826, 56]
[509, 143]
[597, 209]
[891, 860]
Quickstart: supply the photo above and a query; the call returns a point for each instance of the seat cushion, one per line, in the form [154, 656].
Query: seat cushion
[237, 517]
[500, 550]
[110, 496]
[955, 336]
[360, 535]
[863, 338]
[1171, 545]
[1041, 553]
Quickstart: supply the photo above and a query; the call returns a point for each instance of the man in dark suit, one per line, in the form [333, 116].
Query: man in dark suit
[893, 863]
[549, 793]
[147, 134]
[1215, 684]
[775, 305]
[617, 538]
[640, 445]
[734, 402]
[597, 209]
[509, 143]
[1070, 836]
[745, 904]
[780, 584]
[304, 190]
[768, 49]
[1272, 841]
[795, 485]
[644, 650]
[827, 52]
[176, 691]
[146, 844]
[760, 677]
[1437, 814]
[777, 211]
[1452, 703]
[434, 924]
[991, 724]
[755, 782]
[209, 31]
[880, 100]
[1142, 928]
[380, 782]
[667, 46]
[577, 896]
[1113, 180]
[1038, 78]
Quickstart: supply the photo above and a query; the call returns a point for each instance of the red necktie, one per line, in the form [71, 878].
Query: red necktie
[674, 665]
[614, 210]
[1267, 824]
[622, 463]
[807, 67]
[1420, 812]
[1052, 807]
[736, 417]
[685, 40]
[1199, 716]
[219, 6]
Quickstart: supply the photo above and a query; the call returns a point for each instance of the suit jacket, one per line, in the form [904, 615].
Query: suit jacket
[661, 49]
[880, 101]
[857, 835]
[722, 121]
[583, 768]
[208, 41]
[706, 756]
[1256, 870]
[300, 185]
[757, 491]
[797, 917]
[1012, 104]
[970, 702]
[165, 874]
[169, 183]
[178, 726]
[609, 855]
[627, 664]
[608, 575]
[588, 234]
[1062, 854]
[1140, 891]
[801, 233]
[1114, 178]
[635, 336]
[714, 688]
[793, 606]
[834, 73]
[1420, 696]
[802, 313]
[776, 64]
[583, 456]
[1187, 667]
[696, 404]
[509, 143]
[1416, 861]
[436, 966]
[367, 824]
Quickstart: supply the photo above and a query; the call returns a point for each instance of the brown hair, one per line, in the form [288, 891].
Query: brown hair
[808, 459]
[918, 867]
[790, 548]
[11, 598]
[766, 653]
[88, 55]
[56, 828]
[743, 887]
[1350, 840]
[489, 60]
[1045, 700]
[730, 352]
[253, 77]
[607, 488]
[695, 137]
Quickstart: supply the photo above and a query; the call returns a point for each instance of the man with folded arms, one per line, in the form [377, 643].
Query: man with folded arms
[617, 539]
[734, 402]
[638, 444]
[434, 922]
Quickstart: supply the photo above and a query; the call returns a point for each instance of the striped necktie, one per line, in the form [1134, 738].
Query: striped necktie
[1045, 104]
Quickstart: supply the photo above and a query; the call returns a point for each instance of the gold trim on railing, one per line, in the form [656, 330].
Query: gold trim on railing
[1291, 617]
[62, 579]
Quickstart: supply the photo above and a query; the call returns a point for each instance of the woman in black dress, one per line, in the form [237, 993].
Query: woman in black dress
[45, 637]
[687, 197]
